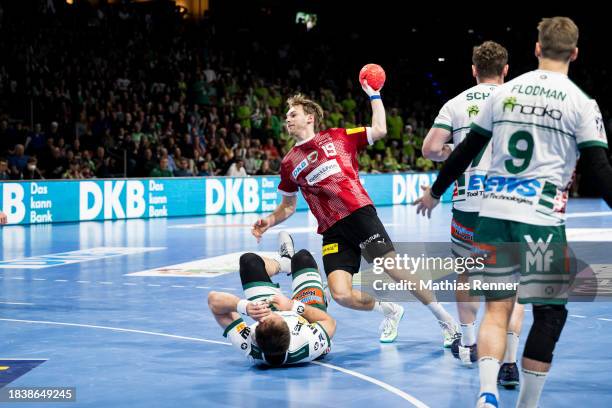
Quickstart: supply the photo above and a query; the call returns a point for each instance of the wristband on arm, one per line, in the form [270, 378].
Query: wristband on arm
[242, 307]
[298, 307]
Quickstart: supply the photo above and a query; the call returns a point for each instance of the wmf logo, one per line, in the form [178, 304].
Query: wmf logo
[539, 256]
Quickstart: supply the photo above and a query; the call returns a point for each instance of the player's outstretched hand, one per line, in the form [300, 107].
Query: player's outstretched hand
[258, 310]
[426, 202]
[259, 228]
[282, 302]
[368, 89]
[3, 218]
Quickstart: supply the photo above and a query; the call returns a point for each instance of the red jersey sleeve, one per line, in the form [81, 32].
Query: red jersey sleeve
[360, 137]
[286, 186]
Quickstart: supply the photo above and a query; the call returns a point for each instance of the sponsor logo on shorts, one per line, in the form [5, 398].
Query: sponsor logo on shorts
[323, 171]
[330, 249]
[461, 232]
[375, 237]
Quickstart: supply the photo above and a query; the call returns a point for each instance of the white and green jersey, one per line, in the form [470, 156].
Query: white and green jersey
[309, 341]
[456, 116]
[538, 123]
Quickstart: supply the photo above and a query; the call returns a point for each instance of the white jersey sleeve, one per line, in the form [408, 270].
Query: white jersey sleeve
[239, 335]
[590, 130]
[444, 120]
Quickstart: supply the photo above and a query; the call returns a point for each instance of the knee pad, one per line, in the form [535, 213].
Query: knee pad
[548, 322]
[302, 259]
[252, 268]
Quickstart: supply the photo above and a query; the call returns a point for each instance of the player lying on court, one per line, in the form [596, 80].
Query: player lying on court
[286, 331]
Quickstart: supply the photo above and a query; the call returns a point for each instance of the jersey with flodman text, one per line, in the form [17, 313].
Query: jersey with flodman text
[538, 122]
[309, 341]
[456, 116]
[326, 170]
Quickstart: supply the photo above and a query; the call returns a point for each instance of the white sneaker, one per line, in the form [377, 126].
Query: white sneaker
[390, 324]
[450, 332]
[286, 250]
[285, 244]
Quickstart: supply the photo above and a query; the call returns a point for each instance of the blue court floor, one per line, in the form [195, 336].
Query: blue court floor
[150, 341]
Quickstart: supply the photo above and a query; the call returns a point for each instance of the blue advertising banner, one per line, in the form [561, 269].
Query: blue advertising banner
[113, 199]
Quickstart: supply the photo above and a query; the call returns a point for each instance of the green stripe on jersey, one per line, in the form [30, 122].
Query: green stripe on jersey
[442, 126]
[592, 143]
[549, 190]
[518, 122]
[260, 283]
[298, 355]
[232, 325]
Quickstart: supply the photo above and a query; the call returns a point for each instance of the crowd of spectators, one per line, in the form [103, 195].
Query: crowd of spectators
[129, 91]
[81, 101]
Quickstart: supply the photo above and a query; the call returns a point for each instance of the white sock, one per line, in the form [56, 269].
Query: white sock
[468, 334]
[384, 307]
[440, 313]
[285, 264]
[488, 368]
[512, 342]
[531, 389]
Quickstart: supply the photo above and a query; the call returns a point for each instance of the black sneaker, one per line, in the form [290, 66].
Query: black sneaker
[467, 354]
[508, 376]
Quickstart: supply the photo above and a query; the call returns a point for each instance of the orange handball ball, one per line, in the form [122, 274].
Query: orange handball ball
[374, 74]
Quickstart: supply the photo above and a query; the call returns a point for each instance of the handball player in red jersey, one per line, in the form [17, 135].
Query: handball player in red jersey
[323, 165]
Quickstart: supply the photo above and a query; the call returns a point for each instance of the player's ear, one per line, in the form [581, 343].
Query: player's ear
[505, 70]
[538, 50]
[310, 118]
[574, 55]
[474, 71]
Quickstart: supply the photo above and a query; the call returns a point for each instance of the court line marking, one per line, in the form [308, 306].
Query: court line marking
[396, 391]
[589, 214]
[578, 316]
[17, 303]
[60, 280]
[417, 403]
[604, 319]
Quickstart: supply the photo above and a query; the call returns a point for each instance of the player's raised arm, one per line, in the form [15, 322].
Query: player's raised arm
[379, 117]
[284, 210]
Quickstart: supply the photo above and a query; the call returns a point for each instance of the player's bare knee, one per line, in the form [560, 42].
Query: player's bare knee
[214, 298]
[342, 296]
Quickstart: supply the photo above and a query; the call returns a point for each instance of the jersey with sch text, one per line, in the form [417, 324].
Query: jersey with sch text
[538, 122]
[309, 341]
[456, 116]
[326, 170]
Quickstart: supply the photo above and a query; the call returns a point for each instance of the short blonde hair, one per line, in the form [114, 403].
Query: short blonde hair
[310, 108]
[558, 37]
